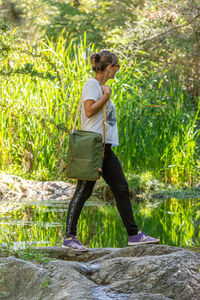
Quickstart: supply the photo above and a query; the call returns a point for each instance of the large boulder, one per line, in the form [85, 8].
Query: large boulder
[142, 272]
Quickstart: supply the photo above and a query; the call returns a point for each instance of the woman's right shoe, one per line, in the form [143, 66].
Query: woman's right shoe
[74, 244]
[142, 238]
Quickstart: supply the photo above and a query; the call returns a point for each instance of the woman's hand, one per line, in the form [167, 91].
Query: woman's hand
[92, 107]
[106, 89]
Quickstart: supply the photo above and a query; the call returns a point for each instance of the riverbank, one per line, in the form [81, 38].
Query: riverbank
[15, 187]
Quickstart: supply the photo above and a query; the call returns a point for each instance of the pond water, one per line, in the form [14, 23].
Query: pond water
[42, 223]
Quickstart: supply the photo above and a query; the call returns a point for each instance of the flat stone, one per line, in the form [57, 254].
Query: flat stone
[68, 254]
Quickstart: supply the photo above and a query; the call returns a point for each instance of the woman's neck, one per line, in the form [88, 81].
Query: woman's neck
[101, 78]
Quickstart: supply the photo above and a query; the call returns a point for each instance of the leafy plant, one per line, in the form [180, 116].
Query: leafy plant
[26, 253]
[41, 85]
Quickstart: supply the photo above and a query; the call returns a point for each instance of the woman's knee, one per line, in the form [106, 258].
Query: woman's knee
[84, 189]
[121, 189]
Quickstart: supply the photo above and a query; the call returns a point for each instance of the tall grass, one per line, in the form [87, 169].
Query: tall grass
[40, 90]
[158, 126]
[38, 99]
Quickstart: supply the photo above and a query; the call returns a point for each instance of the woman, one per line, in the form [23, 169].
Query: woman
[94, 95]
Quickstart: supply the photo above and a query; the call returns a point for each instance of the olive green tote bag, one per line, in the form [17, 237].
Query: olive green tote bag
[84, 158]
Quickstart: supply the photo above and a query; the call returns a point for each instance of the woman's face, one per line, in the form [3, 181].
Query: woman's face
[113, 70]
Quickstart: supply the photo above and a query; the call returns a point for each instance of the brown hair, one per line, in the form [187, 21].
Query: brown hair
[102, 59]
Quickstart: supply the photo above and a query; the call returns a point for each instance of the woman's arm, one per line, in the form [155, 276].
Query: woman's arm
[92, 107]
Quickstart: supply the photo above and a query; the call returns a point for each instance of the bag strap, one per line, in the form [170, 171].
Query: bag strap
[104, 119]
[77, 113]
[104, 122]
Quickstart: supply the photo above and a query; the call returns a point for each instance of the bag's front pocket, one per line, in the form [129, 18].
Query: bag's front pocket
[83, 169]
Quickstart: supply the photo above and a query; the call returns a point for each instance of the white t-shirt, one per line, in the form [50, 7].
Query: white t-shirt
[92, 91]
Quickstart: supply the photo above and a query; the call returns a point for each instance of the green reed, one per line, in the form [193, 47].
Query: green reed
[40, 91]
[37, 101]
[158, 126]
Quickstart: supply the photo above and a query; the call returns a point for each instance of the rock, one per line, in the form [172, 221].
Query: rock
[57, 280]
[14, 187]
[175, 275]
[68, 254]
[142, 272]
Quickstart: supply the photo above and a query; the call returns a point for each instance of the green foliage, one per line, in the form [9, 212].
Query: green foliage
[44, 285]
[37, 108]
[26, 253]
[154, 112]
[73, 20]
[158, 125]
[165, 32]
[7, 38]
[97, 18]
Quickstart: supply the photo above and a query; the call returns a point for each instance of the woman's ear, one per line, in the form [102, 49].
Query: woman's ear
[108, 68]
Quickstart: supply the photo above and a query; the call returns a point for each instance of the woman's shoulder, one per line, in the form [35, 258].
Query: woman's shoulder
[91, 82]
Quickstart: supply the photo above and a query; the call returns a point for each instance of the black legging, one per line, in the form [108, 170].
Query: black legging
[114, 177]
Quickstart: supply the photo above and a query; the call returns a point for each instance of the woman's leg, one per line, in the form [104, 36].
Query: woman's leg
[114, 176]
[82, 193]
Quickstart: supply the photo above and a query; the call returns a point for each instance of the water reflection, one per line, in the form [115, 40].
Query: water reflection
[176, 222]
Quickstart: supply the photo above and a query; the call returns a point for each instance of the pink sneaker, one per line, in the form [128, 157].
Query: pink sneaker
[142, 238]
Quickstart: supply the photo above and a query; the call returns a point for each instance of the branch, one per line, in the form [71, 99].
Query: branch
[171, 29]
[195, 54]
[161, 6]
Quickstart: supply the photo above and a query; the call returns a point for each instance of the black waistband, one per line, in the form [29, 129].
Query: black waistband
[108, 146]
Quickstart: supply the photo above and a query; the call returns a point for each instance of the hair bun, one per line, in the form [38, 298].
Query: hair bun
[97, 58]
